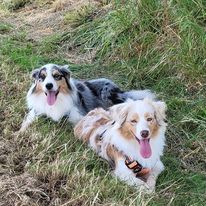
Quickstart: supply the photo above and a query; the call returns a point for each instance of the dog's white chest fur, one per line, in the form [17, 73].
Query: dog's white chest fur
[64, 105]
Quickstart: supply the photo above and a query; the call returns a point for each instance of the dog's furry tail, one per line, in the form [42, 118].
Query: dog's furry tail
[139, 94]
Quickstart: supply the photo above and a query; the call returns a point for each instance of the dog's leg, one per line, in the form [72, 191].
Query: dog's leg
[127, 175]
[151, 180]
[74, 116]
[122, 171]
[31, 116]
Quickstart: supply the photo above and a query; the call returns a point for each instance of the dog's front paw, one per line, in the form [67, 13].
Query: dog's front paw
[151, 182]
[145, 188]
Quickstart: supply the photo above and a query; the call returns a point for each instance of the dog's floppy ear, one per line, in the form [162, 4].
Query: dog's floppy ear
[65, 70]
[35, 73]
[119, 113]
[160, 110]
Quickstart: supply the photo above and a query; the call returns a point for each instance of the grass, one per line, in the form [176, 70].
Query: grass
[4, 28]
[158, 45]
[14, 4]
[78, 17]
[29, 55]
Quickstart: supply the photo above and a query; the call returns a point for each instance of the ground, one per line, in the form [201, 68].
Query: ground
[47, 165]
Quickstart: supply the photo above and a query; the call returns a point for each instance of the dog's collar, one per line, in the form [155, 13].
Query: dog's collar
[136, 167]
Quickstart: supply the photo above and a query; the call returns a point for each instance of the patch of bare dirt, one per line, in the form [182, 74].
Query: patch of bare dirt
[39, 22]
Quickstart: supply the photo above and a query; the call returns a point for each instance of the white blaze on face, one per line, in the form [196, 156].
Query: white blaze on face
[51, 93]
[142, 125]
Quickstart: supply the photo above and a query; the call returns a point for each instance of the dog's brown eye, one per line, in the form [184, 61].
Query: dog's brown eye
[149, 119]
[57, 77]
[133, 121]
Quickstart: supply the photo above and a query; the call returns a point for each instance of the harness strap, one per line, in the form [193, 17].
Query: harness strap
[101, 135]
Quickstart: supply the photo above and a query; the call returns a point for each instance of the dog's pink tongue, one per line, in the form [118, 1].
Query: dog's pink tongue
[145, 149]
[51, 98]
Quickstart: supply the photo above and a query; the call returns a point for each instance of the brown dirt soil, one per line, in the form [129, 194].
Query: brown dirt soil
[39, 22]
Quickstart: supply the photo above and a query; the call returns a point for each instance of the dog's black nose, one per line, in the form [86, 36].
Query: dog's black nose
[144, 133]
[49, 86]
